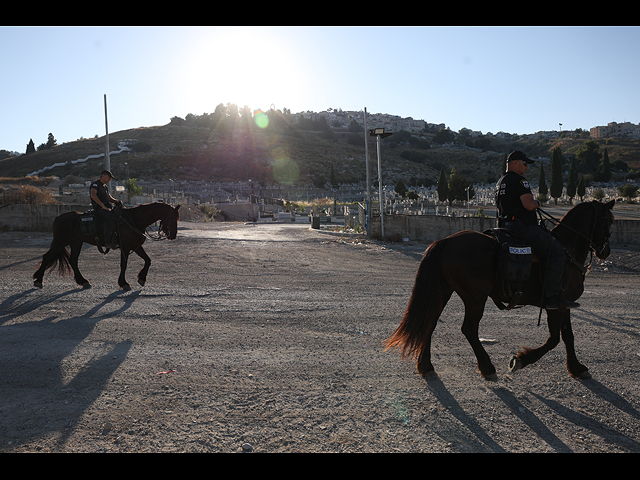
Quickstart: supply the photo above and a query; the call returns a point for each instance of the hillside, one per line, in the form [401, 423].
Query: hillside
[285, 156]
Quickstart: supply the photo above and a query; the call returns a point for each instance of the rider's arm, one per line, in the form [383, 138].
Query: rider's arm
[94, 197]
[529, 202]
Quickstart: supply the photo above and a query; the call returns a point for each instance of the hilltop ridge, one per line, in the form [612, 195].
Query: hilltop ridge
[303, 153]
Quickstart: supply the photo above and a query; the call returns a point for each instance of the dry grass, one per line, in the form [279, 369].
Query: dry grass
[26, 194]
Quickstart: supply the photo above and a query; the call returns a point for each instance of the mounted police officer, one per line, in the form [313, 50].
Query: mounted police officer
[102, 201]
[517, 213]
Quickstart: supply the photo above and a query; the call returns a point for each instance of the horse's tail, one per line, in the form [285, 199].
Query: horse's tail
[428, 299]
[61, 261]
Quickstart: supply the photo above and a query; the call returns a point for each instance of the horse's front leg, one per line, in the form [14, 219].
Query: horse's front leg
[527, 356]
[124, 258]
[142, 274]
[76, 247]
[576, 369]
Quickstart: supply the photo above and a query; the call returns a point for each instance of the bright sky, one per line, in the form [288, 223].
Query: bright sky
[512, 79]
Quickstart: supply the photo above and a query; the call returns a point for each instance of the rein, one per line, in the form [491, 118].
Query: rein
[592, 246]
[159, 235]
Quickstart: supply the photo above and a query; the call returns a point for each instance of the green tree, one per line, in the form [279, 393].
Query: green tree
[458, 186]
[598, 194]
[556, 174]
[572, 184]
[628, 191]
[443, 136]
[31, 147]
[401, 189]
[604, 171]
[589, 156]
[443, 186]
[582, 188]
[51, 141]
[542, 184]
[131, 186]
[355, 127]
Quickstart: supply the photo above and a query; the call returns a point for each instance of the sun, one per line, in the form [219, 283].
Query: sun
[244, 66]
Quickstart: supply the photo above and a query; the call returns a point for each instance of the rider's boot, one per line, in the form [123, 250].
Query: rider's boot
[558, 302]
[108, 238]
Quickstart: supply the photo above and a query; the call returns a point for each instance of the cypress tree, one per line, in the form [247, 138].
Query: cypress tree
[556, 174]
[443, 186]
[581, 188]
[606, 167]
[542, 184]
[572, 184]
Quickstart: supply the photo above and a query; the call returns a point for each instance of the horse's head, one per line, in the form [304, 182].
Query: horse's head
[169, 224]
[602, 229]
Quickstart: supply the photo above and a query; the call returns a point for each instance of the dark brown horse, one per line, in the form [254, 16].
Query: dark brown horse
[131, 234]
[467, 263]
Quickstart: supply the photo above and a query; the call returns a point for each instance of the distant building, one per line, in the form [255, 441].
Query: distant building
[613, 129]
[342, 119]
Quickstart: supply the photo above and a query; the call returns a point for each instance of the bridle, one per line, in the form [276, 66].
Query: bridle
[160, 234]
[593, 248]
[593, 244]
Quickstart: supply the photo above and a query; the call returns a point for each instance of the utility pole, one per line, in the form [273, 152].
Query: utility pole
[366, 156]
[107, 163]
[379, 133]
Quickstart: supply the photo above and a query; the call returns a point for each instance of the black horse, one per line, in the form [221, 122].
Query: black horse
[131, 230]
[467, 263]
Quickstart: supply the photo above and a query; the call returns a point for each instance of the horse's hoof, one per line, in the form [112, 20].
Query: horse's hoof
[492, 377]
[515, 364]
[37, 284]
[86, 285]
[141, 282]
[430, 375]
[583, 376]
[126, 288]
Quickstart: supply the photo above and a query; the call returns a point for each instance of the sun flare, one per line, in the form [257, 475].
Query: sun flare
[244, 66]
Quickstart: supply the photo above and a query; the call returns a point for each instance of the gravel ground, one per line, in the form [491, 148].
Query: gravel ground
[268, 338]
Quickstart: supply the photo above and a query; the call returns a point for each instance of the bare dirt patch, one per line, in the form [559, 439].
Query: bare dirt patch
[268, 338]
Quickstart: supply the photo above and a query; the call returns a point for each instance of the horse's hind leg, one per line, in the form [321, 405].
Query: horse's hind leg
[423, 358]
[47, 259]
[76, 247]
[527, 356]
[470, 328]
[55, 255]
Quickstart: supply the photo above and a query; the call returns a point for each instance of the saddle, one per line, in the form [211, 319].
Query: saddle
[91, 226]
[89, 223]
[514, 264]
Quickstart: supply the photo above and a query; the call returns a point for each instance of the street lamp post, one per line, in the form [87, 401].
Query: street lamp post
[379, 133]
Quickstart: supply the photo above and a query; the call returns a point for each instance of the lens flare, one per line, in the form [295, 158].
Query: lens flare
[285, 170]
[261, 119]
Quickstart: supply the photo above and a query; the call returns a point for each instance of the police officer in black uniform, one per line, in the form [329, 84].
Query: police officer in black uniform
[101, 201]
[517, 212]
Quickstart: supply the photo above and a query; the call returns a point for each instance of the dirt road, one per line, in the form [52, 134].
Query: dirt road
[268, 338]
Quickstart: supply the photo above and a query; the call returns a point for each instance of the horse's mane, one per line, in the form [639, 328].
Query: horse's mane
[576, 212]
[585, 213]
[146, 212]
[147, 206]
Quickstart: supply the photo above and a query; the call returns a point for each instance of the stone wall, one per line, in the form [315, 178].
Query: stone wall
[428, 228]
[33, 218]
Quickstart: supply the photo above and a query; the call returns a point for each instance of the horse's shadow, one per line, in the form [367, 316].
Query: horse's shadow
[38, 388]
[481, 441]
[477, 438]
